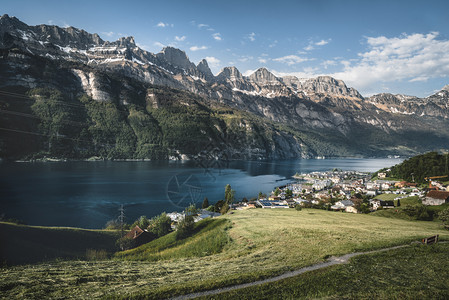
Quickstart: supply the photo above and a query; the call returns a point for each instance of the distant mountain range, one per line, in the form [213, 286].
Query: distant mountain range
[168, 107]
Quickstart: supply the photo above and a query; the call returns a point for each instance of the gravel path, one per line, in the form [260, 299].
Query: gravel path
[330, 262]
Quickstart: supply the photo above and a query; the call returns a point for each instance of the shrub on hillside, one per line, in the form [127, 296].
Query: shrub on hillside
[444, 216]
[418, 212]
[185, 227]
[160, 225]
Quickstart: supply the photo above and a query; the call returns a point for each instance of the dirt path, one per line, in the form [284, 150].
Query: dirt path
[330, 262]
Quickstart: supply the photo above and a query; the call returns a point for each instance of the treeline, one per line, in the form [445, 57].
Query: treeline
[419, 167]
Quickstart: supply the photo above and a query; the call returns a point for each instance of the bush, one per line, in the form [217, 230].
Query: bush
[112, 225]
[444, 216]
[142, 222]
[418, 212]
[160, 225]
[298, 207]
[125, 243]
[185, 227]
[224, 208]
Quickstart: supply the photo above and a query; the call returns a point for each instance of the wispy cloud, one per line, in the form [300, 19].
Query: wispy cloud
[109, 34]
[144, 47]
[213, 61]
[159, 44]
[262, 60]
[312, 45]
[163, 25]
[322, 42]
[251, 36]
[217, 36]
[180, 38]
[291, 59]
[197, 48]
[414, 58]
[245, 58]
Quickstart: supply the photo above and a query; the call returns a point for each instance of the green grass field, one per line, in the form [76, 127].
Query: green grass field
[416, 272]
[249, 245]
[386, 197]
[29, 244]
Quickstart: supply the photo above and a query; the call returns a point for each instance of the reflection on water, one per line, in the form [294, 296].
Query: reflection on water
[88, 194]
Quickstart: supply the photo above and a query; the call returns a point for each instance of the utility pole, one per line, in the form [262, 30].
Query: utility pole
[121, 219]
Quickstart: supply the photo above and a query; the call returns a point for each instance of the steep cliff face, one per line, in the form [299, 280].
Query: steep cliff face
[78, 63]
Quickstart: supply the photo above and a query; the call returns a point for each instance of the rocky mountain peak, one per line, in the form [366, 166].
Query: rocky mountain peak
[229, 73]
[175, 57]
[329, 85]
[7, 22]
[263, 76]
[445, 88]
[203, 67]
[126, 41]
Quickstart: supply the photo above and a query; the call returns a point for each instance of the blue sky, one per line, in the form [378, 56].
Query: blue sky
[374, 46]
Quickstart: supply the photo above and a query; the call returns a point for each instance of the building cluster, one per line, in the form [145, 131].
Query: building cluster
[348, 191]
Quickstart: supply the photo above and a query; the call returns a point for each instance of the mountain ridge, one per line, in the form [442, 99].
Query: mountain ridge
[119, 72]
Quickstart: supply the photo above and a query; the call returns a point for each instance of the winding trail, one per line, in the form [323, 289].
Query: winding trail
[330, 262]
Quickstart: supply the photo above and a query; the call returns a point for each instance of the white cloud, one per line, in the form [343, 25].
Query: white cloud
[217, 36]
[203, 26]
[144, 47]
[163, 25]
[213, 61]
[196, 48]
[262, 60]
[180, 38]
[309, 47]
[312, 45]
[109, 34]
[323, 42]
[251, 36]
[291, 59]
[249, 72]
[415, 57]
[245, 58]
[158, 44]
[328, 63]
[51, 22]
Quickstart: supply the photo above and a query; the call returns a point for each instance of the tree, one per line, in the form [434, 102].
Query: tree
[219, 205]
[205, 203]
[160, 225]
[444, 216]
[185, 227]
[191, 210]
[225, 208]
[229, 194]
[288, 193]
[277, 192]
[142, 222]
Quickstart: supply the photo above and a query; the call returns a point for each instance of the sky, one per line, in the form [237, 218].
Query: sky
[374, 46]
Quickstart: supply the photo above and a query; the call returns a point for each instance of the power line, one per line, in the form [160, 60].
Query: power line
[48, 135]
[20, 114]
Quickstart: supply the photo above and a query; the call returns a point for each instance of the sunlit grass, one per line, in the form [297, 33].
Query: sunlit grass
[260, 243]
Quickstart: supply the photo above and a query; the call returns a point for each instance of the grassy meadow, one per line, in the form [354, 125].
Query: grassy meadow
[22, 244]
[239, 247]
[416, 272]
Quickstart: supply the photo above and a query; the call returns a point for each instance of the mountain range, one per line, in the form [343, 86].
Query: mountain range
[65, 92]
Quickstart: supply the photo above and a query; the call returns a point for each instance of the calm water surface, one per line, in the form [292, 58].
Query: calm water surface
[88, 194]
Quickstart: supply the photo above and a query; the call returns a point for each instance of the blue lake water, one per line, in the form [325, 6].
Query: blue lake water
[88, 194]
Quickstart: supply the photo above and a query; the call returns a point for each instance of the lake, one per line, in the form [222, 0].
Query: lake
[88, 194]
